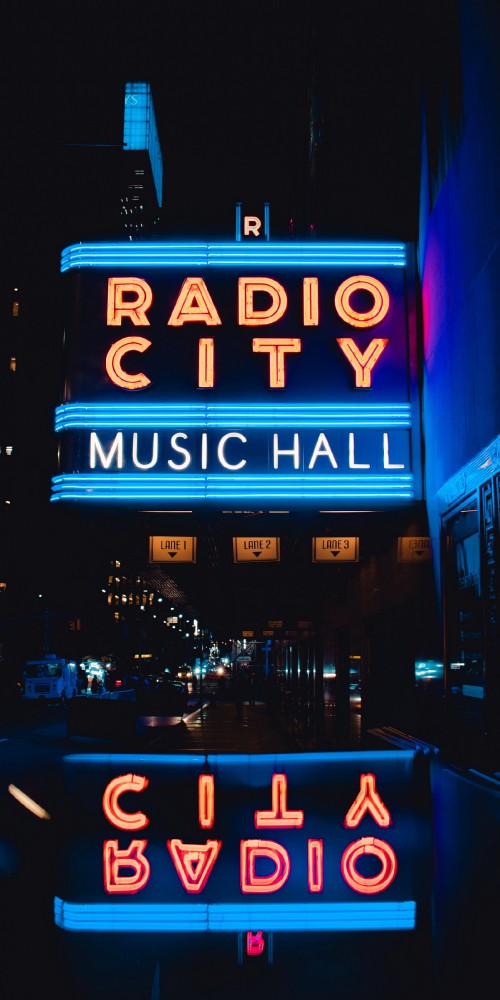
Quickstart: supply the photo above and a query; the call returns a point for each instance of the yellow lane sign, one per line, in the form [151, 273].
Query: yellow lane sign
[329, 549]
[256, 550]
[414, 549]
[172, 548]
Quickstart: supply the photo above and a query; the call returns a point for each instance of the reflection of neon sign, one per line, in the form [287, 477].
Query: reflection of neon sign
[253, 844]
[194, 862]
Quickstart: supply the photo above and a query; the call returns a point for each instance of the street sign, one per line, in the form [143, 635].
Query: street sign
[256, 549]
[267, 631]
[276, 624]
[247, 633]
[414, 549]
[329, 549]
[172, 548]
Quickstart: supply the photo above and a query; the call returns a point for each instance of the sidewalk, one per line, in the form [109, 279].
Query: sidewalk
[216, 728]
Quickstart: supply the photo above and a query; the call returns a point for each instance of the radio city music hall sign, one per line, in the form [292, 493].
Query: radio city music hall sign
[272, 372]
[240, 843]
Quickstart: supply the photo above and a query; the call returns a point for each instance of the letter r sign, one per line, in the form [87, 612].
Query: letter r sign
[252, 222]
[251, 225]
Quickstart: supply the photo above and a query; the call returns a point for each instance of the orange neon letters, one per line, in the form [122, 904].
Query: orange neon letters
[315, 865]
[111, 809]
[264, 864]
[310, 305]
[206, 363]
[368, 885]
[276, 348]
[279, 815]
[118, 307]
[362, 282]
[250, 850]
[362, 362]
[194, 305]
[114, 357]
[131, 858]
[194, 862]
[367, 800]
[206, 801]
[247, 314]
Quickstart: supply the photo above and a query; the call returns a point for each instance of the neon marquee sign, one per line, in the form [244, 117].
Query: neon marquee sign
[234, 843]
[212, 373]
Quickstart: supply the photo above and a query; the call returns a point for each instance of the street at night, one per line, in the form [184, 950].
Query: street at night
[250, 500]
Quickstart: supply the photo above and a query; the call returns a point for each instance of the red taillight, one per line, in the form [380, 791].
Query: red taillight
[118, 683]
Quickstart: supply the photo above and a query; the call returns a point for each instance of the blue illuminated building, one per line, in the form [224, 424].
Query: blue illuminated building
[459, 263]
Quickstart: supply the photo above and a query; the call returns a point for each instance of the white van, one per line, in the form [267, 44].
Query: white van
[51, 678]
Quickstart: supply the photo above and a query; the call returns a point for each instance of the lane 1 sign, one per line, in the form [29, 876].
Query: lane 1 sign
[256, 549]
[172, 548]
[329, 549]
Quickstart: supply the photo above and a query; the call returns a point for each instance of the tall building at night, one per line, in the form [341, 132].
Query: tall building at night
[107, 185]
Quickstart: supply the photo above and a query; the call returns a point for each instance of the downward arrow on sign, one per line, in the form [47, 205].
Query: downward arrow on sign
[335, 554]
[257, 554]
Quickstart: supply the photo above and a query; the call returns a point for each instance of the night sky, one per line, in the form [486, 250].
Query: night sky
[231, 86]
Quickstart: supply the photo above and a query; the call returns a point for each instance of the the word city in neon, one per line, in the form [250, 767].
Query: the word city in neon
[127, 870]
[130, 299]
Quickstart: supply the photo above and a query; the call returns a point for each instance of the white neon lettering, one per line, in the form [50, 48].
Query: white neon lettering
[220, 451]
[115, 451]
[322, 447]
[295, 452]
[154, 453]
[387, 463]
[179, 466]
[204, 450]
[352, 463]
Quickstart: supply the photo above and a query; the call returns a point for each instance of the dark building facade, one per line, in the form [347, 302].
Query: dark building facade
[459, 263]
